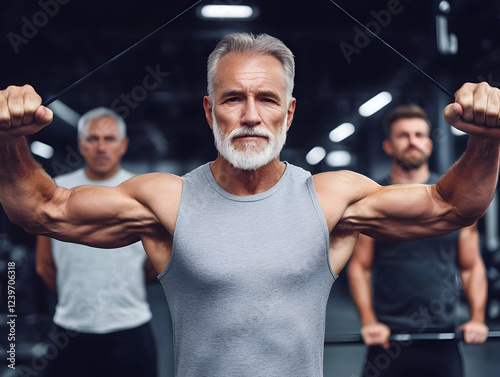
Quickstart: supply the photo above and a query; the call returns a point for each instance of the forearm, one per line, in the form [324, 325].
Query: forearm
[45, 266]
[25, 186]
[49, 278]
[470, 184]
[476, 291]
[360, 286]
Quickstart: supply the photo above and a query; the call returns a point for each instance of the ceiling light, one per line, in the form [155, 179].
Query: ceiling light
[226, 11]
[315, 155]
[65, 112]
[42, 149]
[341, 132]
[337, 159]
[444, 7]
[373, 105]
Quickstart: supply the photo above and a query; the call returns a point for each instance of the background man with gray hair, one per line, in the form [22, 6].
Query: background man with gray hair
[101, 294]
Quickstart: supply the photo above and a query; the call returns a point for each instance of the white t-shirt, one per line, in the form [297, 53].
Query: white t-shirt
[99, 290]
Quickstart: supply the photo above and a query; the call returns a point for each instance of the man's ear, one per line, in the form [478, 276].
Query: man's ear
[208, 106]
[431, 145]
[290, 112]
[124, 145]
[387, 147]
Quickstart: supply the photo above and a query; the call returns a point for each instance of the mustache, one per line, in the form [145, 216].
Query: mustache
[251, 131]
[415, 148]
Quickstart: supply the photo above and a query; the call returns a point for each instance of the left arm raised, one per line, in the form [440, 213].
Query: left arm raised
[460, 197]
[471, 183]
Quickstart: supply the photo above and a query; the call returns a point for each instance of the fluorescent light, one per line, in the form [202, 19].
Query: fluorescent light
[341, 132]
[338, 158]
[457, 132]
[373, 105]
[65, 112]
[226, 11]
[444, 7]
[315, 155]
[42, 149]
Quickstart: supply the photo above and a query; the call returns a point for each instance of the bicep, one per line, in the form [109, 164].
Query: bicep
[96, 216]
[357, 204]
[402, 212]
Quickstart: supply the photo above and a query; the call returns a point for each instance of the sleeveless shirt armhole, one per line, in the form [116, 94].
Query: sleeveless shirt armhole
[172, 251]
[324, 224]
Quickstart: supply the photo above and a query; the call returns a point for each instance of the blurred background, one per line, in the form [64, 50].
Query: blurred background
[159, 85]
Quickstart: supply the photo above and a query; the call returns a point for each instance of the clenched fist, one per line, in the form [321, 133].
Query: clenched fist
[374, 334]
[476, 111]
[21, 112]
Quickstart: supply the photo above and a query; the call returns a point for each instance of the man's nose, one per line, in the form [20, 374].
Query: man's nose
[250, 117]
[412, 139]
[101, 144]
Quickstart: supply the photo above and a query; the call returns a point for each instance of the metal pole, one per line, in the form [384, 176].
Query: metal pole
[343, 339]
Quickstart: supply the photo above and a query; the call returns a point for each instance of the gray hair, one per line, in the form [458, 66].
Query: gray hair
[100, 112]
[248, 43]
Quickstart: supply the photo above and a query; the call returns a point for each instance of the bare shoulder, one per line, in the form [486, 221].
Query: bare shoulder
[148, 188]
[159, 192]
[337, 190]
[152, 182]
[347, 184]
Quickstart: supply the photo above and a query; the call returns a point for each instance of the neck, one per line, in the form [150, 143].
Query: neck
[246, 182]
[95, 176]
[401, 175]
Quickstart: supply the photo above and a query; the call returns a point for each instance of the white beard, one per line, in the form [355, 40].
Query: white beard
[253, 156]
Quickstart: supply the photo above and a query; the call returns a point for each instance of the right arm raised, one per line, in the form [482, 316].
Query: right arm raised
[95, 216]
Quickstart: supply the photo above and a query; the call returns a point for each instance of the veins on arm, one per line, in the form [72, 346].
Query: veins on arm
[109, 217]
[356, 204]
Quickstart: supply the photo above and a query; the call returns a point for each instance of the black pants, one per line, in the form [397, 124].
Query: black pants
[126, 353]
[437, 358]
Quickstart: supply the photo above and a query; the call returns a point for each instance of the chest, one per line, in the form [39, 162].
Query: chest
[221, 242]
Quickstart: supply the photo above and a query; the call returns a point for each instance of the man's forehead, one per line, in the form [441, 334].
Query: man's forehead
[413, 123]
[248, 63]
[243, 69]
[104, 124]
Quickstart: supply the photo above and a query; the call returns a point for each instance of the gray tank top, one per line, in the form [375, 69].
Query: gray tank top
[249, 279]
